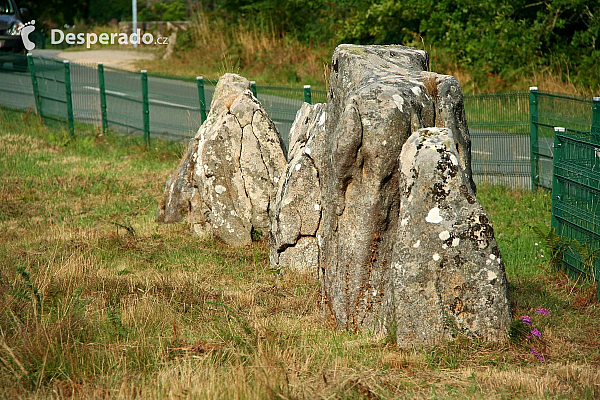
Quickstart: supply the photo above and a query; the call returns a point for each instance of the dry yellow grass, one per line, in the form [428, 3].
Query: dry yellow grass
[89, 310]
[212, 48]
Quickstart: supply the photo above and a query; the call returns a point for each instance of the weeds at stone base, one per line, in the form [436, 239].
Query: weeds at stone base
[89, 310]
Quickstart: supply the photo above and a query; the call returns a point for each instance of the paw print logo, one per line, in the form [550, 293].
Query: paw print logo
[25, 31]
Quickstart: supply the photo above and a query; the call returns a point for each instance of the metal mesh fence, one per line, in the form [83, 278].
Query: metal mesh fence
[86, 98]
[175, 108]
[15, 82]
[50, 75]
[549, 110]
[499, 123]
[281, 104]
[576, 200]
[124, 101]
[319, 96]
[499, 128]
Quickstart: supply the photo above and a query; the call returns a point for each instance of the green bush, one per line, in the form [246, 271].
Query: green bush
[492, 38]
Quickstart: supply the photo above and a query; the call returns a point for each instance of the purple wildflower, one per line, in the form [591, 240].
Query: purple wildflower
[542, 311]
[537, 354]
[526, 319]
[536, 333]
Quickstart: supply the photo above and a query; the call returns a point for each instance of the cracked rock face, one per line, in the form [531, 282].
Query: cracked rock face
[180, 190]
[296, 216]
[378, 97]
[228, 178]
[446, 275]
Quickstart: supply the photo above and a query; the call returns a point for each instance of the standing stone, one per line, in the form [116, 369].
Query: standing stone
[228, 179]
[447, 273]
[379, 96]
[296, 217]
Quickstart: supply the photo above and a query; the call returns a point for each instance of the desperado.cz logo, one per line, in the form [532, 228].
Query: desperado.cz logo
[57, 37]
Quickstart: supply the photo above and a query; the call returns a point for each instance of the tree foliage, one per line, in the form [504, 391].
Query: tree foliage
[494, 37]
[503, 39]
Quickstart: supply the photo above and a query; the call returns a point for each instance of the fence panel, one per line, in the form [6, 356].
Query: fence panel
[124, 106]
[50, 74]
[572, 113]
[175, 107]
[281, 104]
[319, 96]
[499, 129]
[576, 200]
[86, 96]
[16, 90]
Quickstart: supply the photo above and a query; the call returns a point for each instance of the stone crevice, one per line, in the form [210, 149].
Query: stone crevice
[380, 99]
[224, 193]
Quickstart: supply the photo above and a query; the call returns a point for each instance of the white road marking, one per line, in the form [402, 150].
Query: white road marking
[151, 101]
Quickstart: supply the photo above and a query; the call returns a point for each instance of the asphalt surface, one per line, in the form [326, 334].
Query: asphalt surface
[497, 157]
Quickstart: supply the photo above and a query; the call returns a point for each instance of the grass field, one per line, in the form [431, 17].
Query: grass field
[99, 301]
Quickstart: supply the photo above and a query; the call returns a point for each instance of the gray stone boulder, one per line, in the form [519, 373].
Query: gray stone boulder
[296, 216]
[342, 213]
[378, 97]
[228, 179]
[447, 275]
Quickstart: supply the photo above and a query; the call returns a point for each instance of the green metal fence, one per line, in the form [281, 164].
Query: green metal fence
[15, 82]
[150, 105]
[51, 83]
[499, 128]
[549, 110]
[576, 195]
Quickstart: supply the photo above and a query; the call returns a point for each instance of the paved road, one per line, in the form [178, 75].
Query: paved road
[174, 113]
[503, 158]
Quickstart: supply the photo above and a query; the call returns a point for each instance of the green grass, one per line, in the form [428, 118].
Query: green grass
[514, 214]
[99, 301]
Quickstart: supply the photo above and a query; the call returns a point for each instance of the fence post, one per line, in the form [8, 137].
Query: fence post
[34, 83]
[145, 107]
[69, 95]
[596, 140]
[307, 94]
[102, 97]
[533, 137]
[253, 87]
[557, 159]
[202, 98]
[596, 119]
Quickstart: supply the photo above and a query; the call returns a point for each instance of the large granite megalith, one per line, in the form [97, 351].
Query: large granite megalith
[446, 270]
[228, 179]
[379, 96]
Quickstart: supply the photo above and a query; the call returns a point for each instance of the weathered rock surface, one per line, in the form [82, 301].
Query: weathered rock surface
[296, 216]
[446, 272]
[180, 189]
[228, 179]
[379, 96]
[340, 211]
